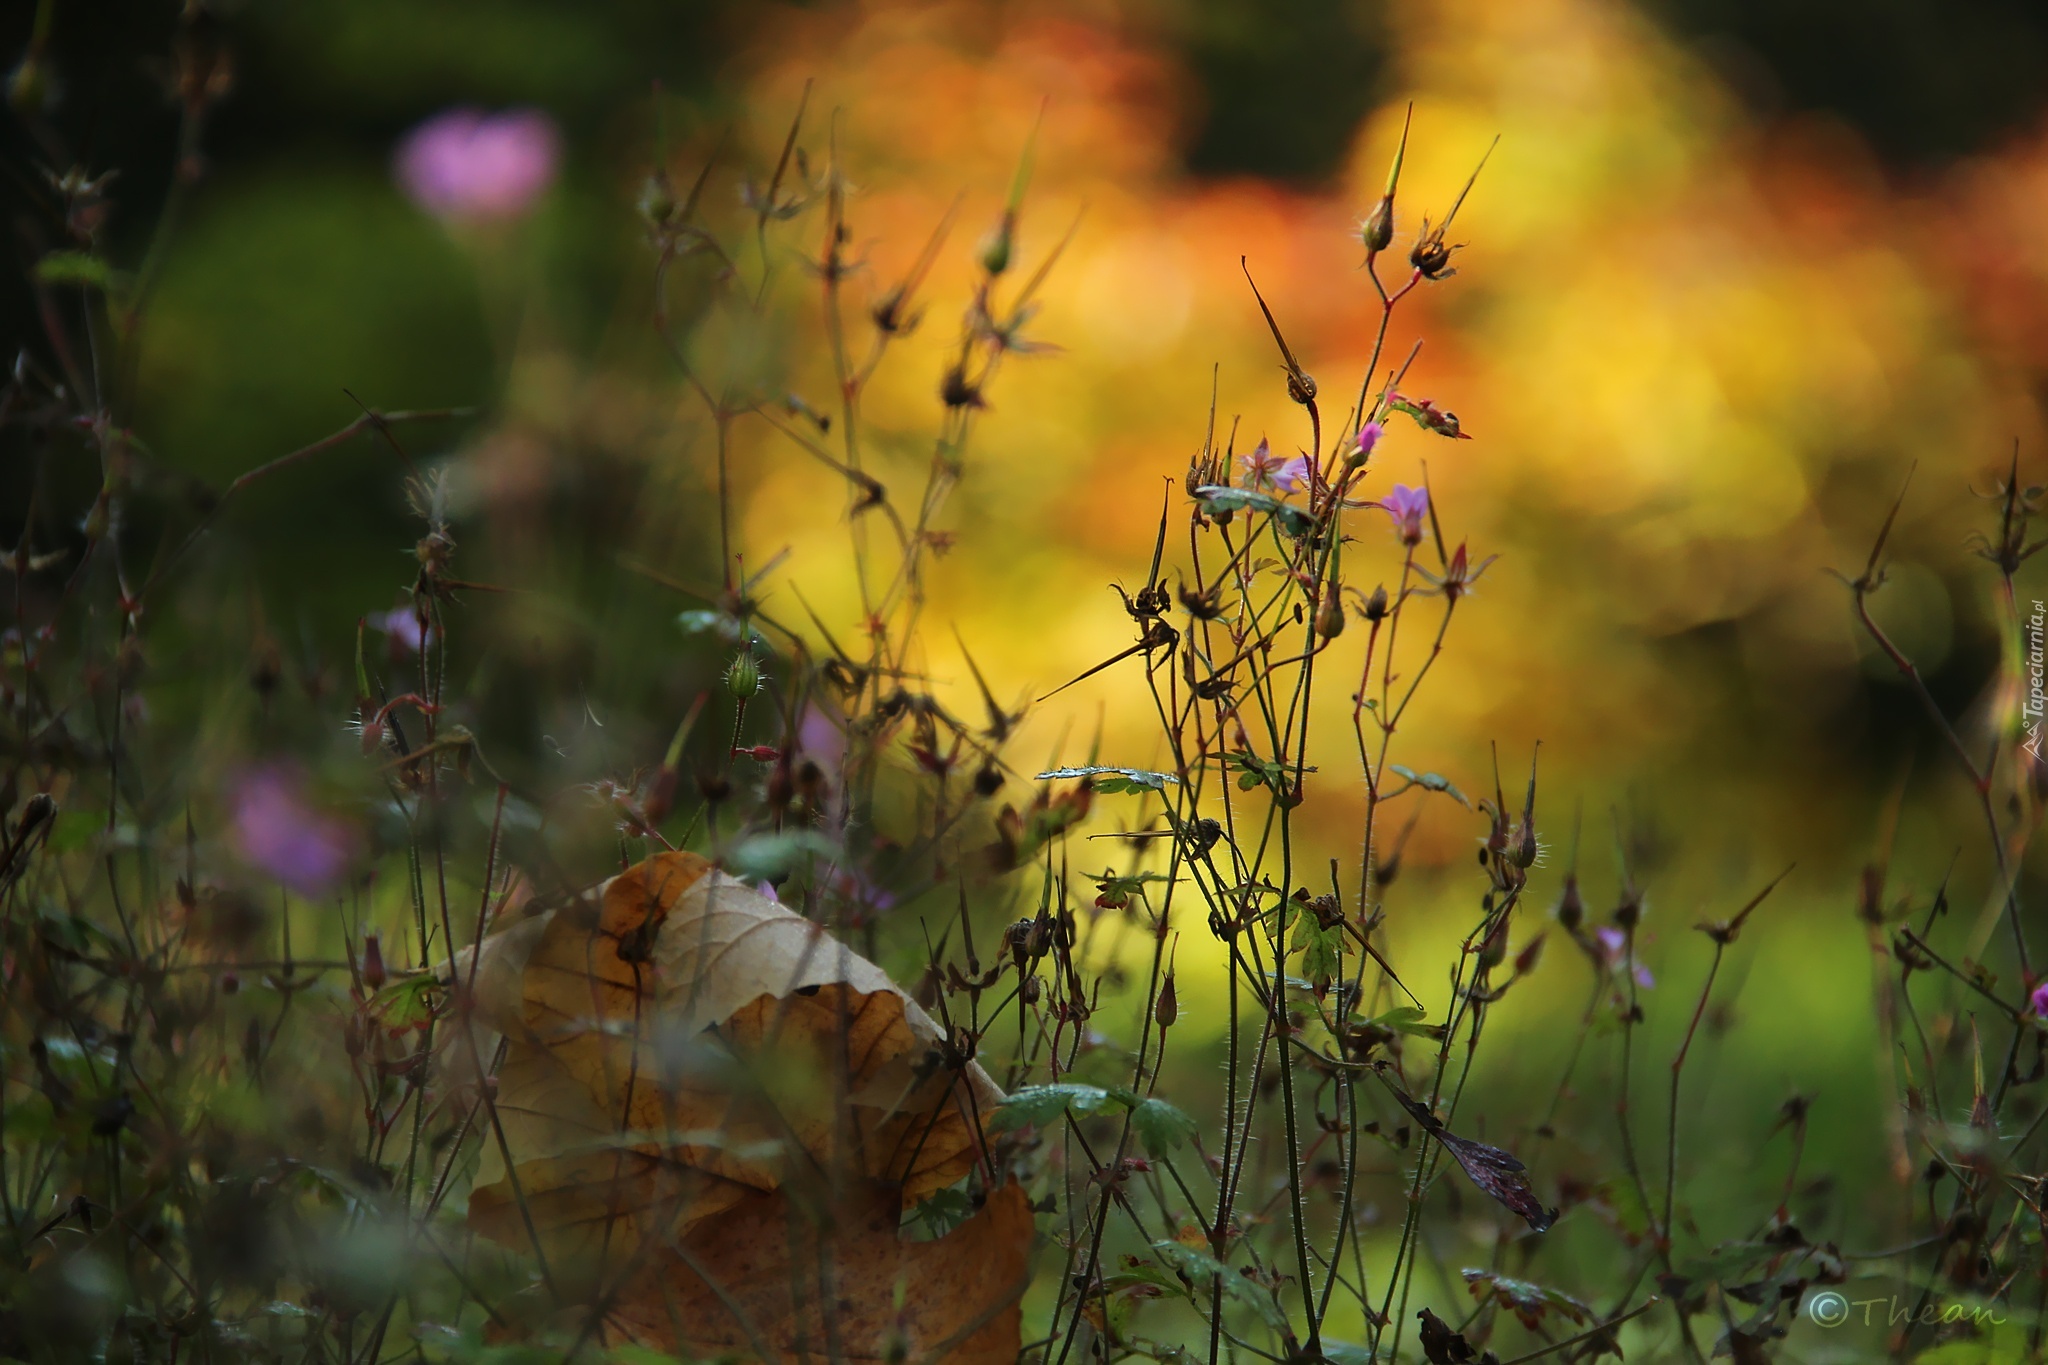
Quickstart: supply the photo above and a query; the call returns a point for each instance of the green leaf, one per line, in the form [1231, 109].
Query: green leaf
[75, 830]
[1431, 782]
[1527, 1300]
[1205, 1269]
[1115, 779]
[407, 1001]
[76, 267]
[1222, 498]
[943, 1211]
[1727, 1261]
[725, 626]
[1162, 1127]
[1322, 950]
[1408, 1019]
[1039, 1105]
[769, 856]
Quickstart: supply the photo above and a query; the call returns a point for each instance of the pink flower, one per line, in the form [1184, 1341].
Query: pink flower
[1407, 506]
[2038, 1001]
[466, 165]
[1614, 948]
[1264, 469]
[1368, 437]
[276, 830]
[404, 627]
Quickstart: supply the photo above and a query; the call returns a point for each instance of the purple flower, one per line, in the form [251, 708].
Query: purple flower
[277, 831]
[1264, 469]
[404, 627]
[465, 165]
[1368, 437]
[1614, 948]
[2038, 1001]
[1407, 506]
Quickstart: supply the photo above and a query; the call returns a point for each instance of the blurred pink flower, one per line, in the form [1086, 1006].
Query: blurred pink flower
[466, 165]
[2039, 1001]
[1407, 506]
[275, 829]
[403, 626]
[1614, 947]
[1264, 469]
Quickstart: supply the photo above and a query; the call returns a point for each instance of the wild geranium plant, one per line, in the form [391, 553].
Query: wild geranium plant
[827, 1047]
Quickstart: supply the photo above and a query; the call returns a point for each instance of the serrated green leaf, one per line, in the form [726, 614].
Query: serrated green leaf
[1039, 1105]
[1322, 950]
[1162, 1127]
[1205, 1269]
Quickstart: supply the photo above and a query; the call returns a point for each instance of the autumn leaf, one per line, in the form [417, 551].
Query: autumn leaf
[677, 1045]
[759, 1281]
[1498, 1173]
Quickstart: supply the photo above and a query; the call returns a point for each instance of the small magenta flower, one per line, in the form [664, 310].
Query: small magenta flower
[468, 166]
[276, 830]
[1264, 469]
[1407, 506]
[1614, 948]
[2038, 1001]
[1458, 576]
[1368, 437]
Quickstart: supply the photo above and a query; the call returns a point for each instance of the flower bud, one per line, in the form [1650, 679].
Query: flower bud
[743, 676]
[657, 200]
[1571, 910]
[996, 250]
[1377, 231]
[373, 963]
[1361, 451]
[1330, 612]
[1494, 950]
[1376, 605]
[1167, 1009]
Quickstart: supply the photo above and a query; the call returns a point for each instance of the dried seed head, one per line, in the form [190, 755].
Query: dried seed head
[988, 779]
[955, 391]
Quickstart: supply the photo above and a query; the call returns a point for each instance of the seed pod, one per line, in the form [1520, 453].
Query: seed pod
[1330, 612]
[1167, 1008]
[1571, 910]
[743, 676]
[373, 963]
[1377, 231]
[1376, 605]
[1494, 950]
